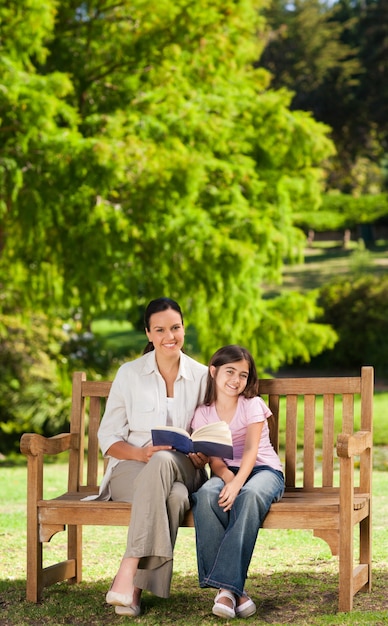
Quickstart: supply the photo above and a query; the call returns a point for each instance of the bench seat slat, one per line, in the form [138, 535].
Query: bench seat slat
[294, 511]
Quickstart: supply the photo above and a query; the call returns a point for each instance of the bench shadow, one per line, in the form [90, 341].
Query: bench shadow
[281, 598]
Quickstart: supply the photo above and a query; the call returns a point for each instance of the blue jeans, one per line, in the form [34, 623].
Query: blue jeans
[225, 541]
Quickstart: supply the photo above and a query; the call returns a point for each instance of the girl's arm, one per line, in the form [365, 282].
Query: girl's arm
[233, 483]
[219, 468]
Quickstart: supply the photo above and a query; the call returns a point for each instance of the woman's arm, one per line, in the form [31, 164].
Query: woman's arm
[233, 483]
[125, 451]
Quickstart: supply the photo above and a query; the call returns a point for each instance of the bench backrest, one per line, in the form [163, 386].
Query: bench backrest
[88, 404]
[344, 404]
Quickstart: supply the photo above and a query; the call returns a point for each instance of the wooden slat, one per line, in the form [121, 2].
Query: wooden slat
[296, 510]
[360, 577]
[273, 404]
[93, 447]
[367, 398]
[291, 440]
[328, 440]
[367, 383]
[316, 386]
[57, 572]
[77, 425]
[347, 413]
[100, 388]
[309, 442]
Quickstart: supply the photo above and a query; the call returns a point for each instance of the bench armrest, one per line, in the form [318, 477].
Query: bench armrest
[353, 445]
[32, 444]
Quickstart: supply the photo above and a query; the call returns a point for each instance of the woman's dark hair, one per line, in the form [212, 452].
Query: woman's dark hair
[231, 354]
[156, 306]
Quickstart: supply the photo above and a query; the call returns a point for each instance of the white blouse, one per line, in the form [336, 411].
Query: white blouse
[138, 401]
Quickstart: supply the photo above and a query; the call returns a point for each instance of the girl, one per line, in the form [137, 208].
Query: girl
[230, 507]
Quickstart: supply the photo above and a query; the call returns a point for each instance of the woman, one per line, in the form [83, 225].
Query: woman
[231, 506]
[163, 387]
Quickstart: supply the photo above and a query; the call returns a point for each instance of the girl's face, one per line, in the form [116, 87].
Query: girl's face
[166, 332]
[231, 378]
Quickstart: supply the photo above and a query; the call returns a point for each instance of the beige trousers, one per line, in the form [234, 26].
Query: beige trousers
[160, 494]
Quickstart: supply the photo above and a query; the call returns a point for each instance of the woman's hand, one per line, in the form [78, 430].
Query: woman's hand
[147, 452]
[198, 459]
[124, 451]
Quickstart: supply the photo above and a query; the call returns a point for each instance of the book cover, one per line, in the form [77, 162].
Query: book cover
[212, 439]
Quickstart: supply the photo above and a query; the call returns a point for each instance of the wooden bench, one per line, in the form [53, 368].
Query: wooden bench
[313, 500]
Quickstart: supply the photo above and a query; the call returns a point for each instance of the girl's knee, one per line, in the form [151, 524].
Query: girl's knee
[209, 492]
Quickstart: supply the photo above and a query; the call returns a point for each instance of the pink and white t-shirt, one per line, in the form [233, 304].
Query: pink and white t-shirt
[248, 411]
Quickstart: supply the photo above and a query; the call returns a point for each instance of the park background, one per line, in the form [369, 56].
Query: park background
[231, 155]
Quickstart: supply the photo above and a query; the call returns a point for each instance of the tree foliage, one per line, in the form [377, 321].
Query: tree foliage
[341, 211]
[144, 154]
[332, 55]
[356, 309]
[33, 395]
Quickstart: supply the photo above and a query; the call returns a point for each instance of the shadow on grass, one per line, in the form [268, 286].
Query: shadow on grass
[282, 598]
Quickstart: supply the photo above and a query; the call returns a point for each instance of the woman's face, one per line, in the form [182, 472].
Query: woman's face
[166, 332]
[231, 378]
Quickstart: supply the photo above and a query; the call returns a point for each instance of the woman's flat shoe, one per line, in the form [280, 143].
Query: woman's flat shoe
[129, 611]
[119, 599]
[247, 608]
[222, 610]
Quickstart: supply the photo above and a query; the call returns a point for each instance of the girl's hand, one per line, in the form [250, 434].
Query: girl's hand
[228, 494]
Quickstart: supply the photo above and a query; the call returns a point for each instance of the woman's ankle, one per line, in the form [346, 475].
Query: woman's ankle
[123, 582]
[136, 596]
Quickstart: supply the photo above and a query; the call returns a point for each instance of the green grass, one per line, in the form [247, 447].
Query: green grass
[293, 577]
[324, 260]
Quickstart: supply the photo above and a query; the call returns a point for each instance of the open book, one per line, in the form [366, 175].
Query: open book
[212, 439]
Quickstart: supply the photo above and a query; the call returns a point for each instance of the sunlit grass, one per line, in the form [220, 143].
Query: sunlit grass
[293, 577]
[326, 259]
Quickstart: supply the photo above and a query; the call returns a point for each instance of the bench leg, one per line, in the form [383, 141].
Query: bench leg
[346, 551]
[34, 545]
[366, 548]
[74, 551]
[34, 562]
[345, 599]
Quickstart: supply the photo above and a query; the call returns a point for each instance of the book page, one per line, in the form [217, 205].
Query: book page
[217, 431]
[173, 429]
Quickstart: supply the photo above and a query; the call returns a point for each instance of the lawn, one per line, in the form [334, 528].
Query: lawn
[324, 260]
[293, 577]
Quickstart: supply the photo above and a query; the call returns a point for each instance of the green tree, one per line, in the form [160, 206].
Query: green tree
[33, 394]
[305, 52]
[332, 56]
[356, 308]
[144, 154]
